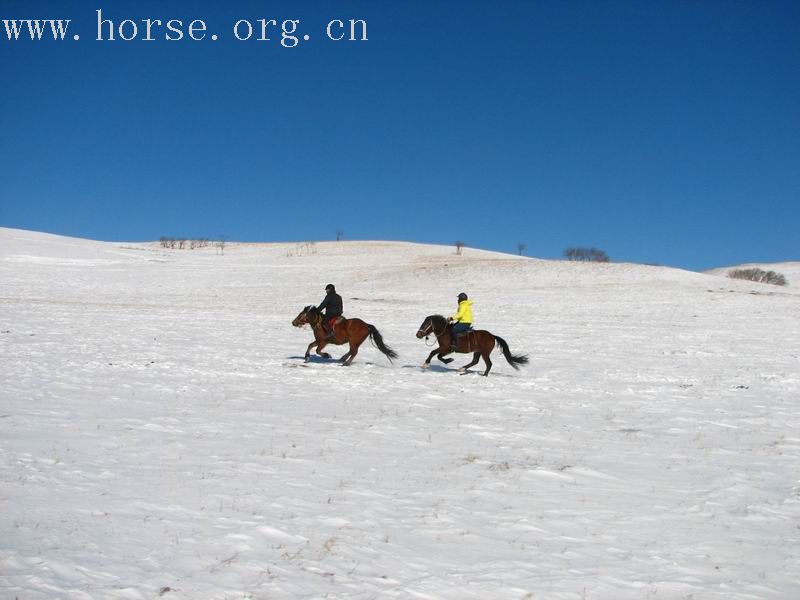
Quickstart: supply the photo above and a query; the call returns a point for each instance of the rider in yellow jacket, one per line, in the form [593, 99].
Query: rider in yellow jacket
[462, 319]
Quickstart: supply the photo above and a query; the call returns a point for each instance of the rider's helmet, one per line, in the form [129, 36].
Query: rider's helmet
[462, 296]
[329, 288]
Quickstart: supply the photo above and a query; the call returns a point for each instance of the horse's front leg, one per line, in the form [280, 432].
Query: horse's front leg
[427, 362]
[320, 346]
[441, 357]
[308, 350]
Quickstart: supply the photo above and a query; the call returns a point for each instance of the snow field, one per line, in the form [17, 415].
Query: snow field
[160, 435]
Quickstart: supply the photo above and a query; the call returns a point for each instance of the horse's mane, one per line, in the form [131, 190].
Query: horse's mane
[438, 319]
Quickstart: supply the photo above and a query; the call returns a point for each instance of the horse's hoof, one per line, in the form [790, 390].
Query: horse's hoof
[462, 370]
[426, 365]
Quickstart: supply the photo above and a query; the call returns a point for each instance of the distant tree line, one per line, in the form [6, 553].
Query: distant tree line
[303, 248]
[586, 255]
[182, 243]
[759, 275]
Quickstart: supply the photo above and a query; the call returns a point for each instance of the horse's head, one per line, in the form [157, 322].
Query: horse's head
[424, 329]
[432, 325]
[303, 317]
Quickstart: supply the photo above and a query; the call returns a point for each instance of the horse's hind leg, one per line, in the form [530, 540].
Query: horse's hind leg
[351, 354]
[475, 356]
[356, 339]
[488, 362]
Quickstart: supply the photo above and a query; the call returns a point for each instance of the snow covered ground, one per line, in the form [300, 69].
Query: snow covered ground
[161, 437]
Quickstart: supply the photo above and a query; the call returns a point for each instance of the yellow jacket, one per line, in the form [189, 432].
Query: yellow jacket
[464, 312]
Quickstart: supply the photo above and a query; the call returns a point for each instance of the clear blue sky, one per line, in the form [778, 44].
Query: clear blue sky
[664, 132]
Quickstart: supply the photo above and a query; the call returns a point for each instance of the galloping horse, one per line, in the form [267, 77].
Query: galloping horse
[346, 331]
[480, 342]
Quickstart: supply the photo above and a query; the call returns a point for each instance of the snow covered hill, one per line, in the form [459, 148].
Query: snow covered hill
[160, 435]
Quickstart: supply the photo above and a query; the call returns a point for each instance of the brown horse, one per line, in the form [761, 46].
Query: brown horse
[346, 331]
[480, 342]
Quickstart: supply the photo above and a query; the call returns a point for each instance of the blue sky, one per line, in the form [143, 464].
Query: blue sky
[661, 132]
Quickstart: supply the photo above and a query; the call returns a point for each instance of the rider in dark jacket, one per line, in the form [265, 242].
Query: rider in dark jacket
[333, 306]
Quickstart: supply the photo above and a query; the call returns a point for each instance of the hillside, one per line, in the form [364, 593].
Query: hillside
[790, 270]
[160, 435]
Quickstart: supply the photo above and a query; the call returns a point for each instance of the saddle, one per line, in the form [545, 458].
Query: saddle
[329, 326]
[469, 330]
[455, 338]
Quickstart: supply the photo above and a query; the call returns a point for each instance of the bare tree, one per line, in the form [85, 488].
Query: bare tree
[599, 256]
[339, 235]
[220, 244]
[521, 247]
[459, 247]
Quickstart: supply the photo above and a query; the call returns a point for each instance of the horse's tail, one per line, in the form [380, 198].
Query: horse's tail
[515, 360]
[377, 339]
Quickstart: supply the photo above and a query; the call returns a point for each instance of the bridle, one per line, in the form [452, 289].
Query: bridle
[315, 323]
[426, 331]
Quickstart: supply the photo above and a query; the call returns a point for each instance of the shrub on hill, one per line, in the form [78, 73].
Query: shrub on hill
[759, 275]
[586, 255]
